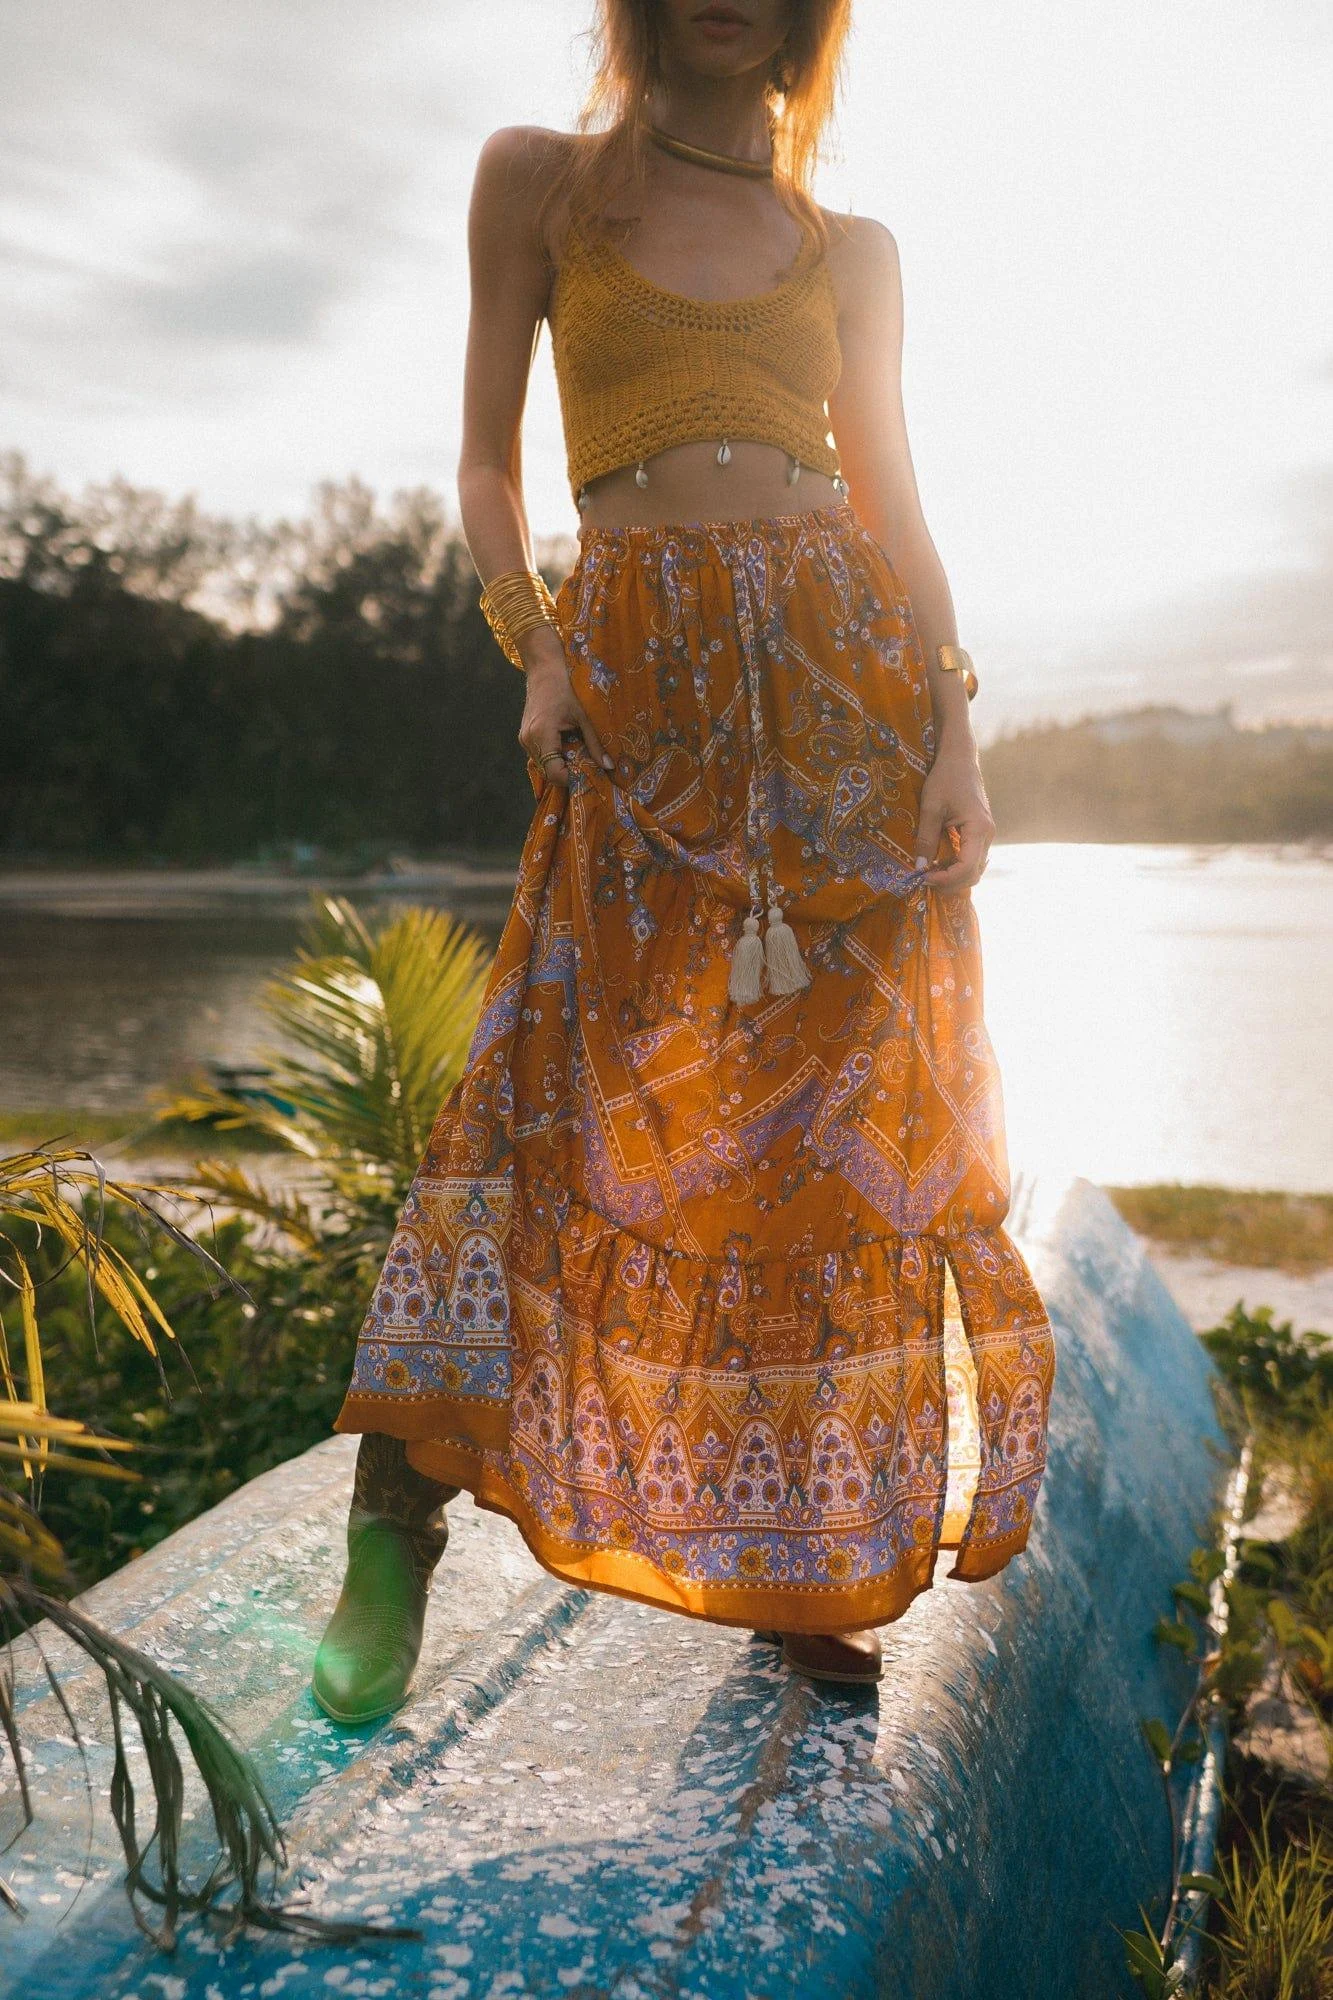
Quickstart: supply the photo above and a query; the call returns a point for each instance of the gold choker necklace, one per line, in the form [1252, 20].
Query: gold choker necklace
[701, 157]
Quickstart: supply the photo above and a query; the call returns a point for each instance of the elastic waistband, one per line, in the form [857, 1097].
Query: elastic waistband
[771, 527]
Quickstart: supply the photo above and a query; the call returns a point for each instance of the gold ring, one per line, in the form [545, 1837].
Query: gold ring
[547, 755]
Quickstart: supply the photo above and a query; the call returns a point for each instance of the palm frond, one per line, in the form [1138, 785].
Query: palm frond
[375, 1028]
[65, 1192]
[383, 1022]
[239, 1192]
[225, 1111]
[26, 1543]
[22, 1453]
[247, 1826]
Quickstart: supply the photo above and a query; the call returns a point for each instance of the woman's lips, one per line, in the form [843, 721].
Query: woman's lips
[720, 24]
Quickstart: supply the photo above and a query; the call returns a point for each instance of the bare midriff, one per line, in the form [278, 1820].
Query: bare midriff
[686, 483]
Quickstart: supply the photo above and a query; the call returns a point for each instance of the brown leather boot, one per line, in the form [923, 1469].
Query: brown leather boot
[854, 1659]
[396, 1534]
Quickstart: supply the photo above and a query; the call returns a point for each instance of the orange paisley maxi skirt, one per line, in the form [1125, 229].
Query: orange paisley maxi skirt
[714, 1300]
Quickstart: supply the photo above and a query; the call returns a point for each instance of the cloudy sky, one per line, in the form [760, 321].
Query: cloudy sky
[234, 263]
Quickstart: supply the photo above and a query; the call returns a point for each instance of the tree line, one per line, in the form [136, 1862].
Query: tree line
[1138, 776]
[179, 687]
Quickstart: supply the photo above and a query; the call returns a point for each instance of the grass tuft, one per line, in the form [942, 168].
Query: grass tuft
[1272, 1231]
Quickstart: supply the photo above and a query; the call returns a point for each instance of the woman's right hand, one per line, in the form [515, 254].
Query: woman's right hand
[552, 709]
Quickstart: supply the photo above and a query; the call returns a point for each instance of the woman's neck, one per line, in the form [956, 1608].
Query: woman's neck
[726, 118]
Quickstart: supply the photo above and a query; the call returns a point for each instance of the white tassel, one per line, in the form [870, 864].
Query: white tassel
[787, 970]
[747, 965]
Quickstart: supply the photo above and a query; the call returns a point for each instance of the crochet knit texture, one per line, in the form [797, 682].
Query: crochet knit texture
[639, 368]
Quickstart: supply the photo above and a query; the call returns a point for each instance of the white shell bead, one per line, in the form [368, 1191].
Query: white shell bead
[640, 476]
[724, 453]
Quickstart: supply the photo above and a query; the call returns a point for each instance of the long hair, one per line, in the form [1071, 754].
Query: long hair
[800, 95]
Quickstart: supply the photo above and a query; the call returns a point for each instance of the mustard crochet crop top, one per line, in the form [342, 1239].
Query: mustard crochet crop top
[639, 368]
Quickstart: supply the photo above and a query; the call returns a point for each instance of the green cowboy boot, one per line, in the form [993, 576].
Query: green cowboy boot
[396, 1533]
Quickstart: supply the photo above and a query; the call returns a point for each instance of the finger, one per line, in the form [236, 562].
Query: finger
[953, 880]
[533, 748]
[965, 869]
[549, 757]
[928, 834]
[583, 724]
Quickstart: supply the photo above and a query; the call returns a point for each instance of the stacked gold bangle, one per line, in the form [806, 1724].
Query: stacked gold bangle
[512, 603]
[953, 660]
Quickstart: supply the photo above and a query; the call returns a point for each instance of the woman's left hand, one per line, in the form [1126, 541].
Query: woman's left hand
[953, 795]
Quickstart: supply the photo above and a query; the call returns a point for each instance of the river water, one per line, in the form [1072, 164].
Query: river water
[1159, 1013]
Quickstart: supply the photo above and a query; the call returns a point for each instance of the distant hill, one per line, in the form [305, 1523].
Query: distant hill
[1161, 773]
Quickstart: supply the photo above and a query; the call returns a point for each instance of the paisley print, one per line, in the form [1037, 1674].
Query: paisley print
[715, 1301]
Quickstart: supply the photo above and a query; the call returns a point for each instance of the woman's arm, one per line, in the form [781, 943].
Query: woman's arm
[509, 281]
[866, 411]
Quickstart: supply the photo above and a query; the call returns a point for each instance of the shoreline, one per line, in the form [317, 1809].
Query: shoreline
[112, 890]
[463, 871]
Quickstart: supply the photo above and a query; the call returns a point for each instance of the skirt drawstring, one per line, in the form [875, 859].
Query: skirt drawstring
[776, 960]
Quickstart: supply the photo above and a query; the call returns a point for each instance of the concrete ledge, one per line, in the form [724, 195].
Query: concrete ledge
[590, 1797]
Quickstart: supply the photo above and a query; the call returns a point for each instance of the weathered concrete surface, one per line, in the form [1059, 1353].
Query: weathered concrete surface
[588, 1797]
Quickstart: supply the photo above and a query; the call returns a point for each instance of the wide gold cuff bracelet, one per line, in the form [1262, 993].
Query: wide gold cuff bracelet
[512, 604]
[953, 660]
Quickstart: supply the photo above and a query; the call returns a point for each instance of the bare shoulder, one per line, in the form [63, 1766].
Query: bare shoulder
[518, 162]
[863, 260]
[518, 168]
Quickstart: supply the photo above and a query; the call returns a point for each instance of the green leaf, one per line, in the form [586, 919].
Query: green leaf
[1157, 1736]
[1145, 1962]
[1172, 1632]
[1193, 1594]
[1207, 1885]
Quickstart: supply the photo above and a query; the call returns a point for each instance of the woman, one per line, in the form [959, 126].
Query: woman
[669, 1286]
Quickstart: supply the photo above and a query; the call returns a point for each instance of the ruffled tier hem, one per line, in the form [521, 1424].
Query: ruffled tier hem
[880, 1601]
[567, 1385]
